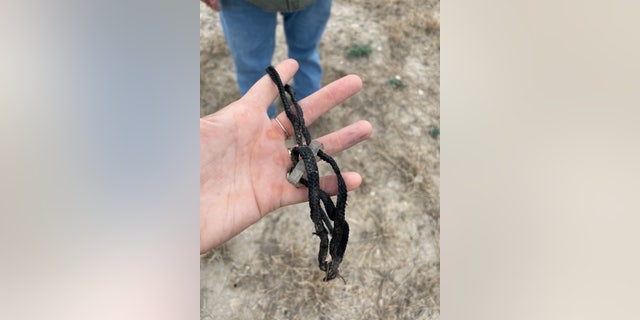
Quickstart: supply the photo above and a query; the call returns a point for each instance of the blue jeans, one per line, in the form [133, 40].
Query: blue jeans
[250, 34]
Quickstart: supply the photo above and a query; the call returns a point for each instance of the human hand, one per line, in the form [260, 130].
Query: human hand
[213, 4]
[244, 160]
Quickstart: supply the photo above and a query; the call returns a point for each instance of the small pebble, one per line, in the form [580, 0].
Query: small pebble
[420, 92]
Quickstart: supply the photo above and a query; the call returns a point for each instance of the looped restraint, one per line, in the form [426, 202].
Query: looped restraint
[306, 150]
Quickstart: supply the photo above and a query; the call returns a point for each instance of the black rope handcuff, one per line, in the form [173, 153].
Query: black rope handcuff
[306, 150]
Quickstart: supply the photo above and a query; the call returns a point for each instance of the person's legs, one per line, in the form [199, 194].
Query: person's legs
[304, 30]
[250, 35]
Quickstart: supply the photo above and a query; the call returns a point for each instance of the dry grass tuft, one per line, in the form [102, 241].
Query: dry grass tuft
[408, 18]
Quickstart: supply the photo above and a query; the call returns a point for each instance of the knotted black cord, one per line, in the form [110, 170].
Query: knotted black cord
[340, 229]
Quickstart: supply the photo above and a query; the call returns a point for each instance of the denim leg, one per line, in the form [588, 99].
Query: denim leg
[304, 29]
[250, 35]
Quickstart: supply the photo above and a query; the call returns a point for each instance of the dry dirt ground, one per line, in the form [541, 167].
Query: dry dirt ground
[391, 265]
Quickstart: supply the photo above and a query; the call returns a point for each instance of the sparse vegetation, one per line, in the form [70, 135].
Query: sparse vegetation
[356, 50]
[396, 83]
[435, 133]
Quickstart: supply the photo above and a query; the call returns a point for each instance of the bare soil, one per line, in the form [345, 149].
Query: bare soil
[392, 264]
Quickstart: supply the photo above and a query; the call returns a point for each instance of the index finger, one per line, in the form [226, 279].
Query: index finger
[324, 100]
[263, 92]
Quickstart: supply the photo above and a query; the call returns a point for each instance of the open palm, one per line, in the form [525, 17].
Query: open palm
[244, 160]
